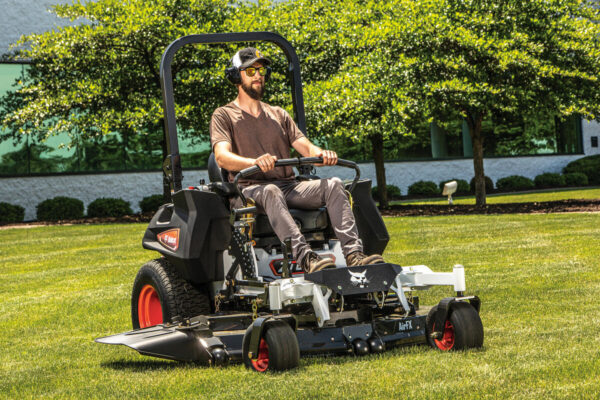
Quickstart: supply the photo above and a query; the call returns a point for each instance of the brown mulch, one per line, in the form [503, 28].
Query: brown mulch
[560, 206]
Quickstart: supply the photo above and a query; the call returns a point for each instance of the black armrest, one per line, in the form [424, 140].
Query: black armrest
[223, 188]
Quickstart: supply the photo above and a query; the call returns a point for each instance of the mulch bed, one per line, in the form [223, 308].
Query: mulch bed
[560, 206]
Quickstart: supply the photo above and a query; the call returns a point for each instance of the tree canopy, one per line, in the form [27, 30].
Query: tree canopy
[374, 71]
[479, 58]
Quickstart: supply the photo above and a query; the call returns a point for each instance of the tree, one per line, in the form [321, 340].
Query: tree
[487, 58]
[102, 75]
[352, 83]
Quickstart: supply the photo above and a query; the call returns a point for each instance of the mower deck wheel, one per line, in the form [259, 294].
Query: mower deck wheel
[159, 294]
[278, 348]
[463, 328]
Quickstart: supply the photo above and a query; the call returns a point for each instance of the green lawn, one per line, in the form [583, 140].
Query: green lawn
[537, 275]
[528, 197]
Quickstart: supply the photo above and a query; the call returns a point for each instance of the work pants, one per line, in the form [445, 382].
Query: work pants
[275, 197]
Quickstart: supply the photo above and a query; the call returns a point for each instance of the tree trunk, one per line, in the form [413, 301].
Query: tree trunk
[377, 145]
[474, 123]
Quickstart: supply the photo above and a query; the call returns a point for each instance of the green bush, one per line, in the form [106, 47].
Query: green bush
[151, 203]
[59, 208]
[462, 186]
[489, 184]
[576, 179]
[108, 207]
[590, 166]
[549, 180]
[514, 182]
[424, 188]
[11, 213]
[393, 192]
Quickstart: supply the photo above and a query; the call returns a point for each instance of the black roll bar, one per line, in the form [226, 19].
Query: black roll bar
[172, 163]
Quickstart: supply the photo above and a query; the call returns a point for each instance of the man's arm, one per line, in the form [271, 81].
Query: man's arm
[232, 162]
[307, 149]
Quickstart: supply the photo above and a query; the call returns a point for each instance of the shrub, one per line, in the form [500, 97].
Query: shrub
[108, 207]
[489, 185]
[549, 180]
[11, 213]
[59, 208]
[514, 182]
[462, 186]
[590, 166]
[576, 179]
[424, 188]
[393, 192]
[151, 203]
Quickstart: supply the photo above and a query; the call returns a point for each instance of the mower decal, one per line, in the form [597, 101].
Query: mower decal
[359, 279]
[169, 239]
[405, 326]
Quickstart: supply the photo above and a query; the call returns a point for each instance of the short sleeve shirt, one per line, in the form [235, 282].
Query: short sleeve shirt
[273, 132]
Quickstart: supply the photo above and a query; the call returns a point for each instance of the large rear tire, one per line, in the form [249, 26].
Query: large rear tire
[463, 328]
[278, 349]
[159, 294]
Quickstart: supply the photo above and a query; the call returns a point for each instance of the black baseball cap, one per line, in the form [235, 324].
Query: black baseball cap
[248, 56]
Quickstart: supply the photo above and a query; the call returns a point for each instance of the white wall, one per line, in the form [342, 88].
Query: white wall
[132, 187]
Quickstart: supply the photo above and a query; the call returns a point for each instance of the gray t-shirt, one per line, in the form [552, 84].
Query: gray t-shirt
[273, 132]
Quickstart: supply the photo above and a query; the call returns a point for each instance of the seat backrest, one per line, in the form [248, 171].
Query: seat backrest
[216, 173]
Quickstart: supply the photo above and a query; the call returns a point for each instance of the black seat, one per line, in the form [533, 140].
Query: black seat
[310, 222]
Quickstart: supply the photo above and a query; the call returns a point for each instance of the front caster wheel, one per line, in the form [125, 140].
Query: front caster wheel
[462, 330]
[278, 349]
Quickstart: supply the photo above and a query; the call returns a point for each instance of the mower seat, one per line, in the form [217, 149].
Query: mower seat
[312, 223]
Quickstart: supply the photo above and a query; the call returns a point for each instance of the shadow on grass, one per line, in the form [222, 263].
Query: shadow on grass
[335, 359]
[149, 365]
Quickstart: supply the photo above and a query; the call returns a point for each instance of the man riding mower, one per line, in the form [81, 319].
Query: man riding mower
[242, 277]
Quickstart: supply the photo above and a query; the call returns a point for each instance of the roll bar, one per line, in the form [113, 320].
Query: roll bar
[172, 163]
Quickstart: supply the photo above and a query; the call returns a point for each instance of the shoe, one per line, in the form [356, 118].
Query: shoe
[358, 258]
[313, 262]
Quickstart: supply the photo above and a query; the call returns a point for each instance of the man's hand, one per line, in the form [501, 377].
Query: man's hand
[329, 157]
[266, 162]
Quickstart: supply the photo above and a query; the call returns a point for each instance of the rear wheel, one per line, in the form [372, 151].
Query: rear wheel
[159, 294]
[278, 348]
[462, 330]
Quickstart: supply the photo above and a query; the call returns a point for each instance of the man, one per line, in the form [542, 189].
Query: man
[248, 132]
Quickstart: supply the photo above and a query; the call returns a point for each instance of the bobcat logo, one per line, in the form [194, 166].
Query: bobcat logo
[359, 279]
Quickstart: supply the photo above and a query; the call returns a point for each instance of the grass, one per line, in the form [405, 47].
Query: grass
[525, 197]
[537, 275]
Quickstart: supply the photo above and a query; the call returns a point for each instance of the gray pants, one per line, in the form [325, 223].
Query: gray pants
[274, 198]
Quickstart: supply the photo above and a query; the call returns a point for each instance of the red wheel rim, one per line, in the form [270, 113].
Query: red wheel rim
[262, 361]
[447, 341]
[149, 308]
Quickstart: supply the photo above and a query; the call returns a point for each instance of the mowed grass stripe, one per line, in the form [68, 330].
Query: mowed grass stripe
[537, 275]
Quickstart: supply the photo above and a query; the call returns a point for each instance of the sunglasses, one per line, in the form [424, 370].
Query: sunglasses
[250, 71]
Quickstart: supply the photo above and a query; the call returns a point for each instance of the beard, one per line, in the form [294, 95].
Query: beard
[255, 94]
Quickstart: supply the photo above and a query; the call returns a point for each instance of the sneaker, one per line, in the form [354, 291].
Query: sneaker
[358, 258]
[313, 262]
